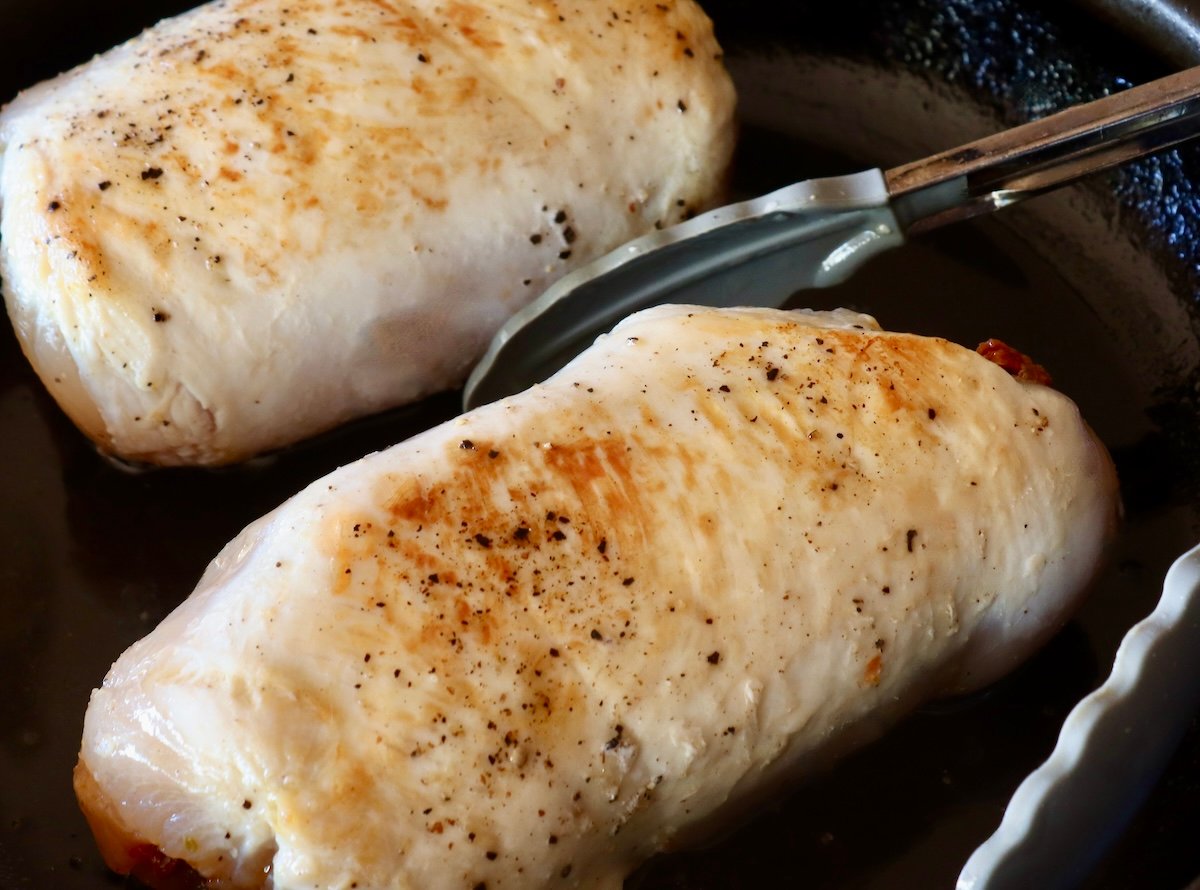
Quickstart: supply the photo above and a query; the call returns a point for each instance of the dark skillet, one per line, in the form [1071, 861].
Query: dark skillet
[1098, 284]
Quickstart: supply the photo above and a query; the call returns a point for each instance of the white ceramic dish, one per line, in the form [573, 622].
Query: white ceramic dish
[1112, 749]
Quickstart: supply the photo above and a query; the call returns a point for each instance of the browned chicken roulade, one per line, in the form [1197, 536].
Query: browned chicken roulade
[538, 643]
[264, 218]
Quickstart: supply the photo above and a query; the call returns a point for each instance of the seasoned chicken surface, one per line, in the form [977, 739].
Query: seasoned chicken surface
[540, 642]
[265, 217]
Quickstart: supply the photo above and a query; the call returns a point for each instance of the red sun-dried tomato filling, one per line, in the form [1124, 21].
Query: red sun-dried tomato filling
[154, 868]
[1016, 363]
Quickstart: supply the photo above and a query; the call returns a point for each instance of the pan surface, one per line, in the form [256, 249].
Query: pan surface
[1097, 283]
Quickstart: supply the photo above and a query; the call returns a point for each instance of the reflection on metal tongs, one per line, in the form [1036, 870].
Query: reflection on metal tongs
[816, 233]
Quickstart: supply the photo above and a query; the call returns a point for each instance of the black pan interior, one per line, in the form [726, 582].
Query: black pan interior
[1098, 284]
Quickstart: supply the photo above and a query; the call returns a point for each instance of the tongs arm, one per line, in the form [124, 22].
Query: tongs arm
[1044, 154]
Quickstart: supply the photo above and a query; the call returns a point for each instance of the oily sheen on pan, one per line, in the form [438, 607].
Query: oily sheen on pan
[542, 641]
[263, 218]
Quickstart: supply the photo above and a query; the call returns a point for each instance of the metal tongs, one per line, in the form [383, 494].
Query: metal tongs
[1117, 740]
[816, 233]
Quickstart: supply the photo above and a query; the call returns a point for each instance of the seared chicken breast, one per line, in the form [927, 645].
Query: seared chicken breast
[263, 218]
[542, 641]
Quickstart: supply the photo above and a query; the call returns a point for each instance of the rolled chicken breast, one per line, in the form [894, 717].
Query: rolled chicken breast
[263, 218]
[536, 644]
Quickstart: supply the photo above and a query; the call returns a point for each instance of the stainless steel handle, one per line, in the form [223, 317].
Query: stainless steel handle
[1015, 164]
